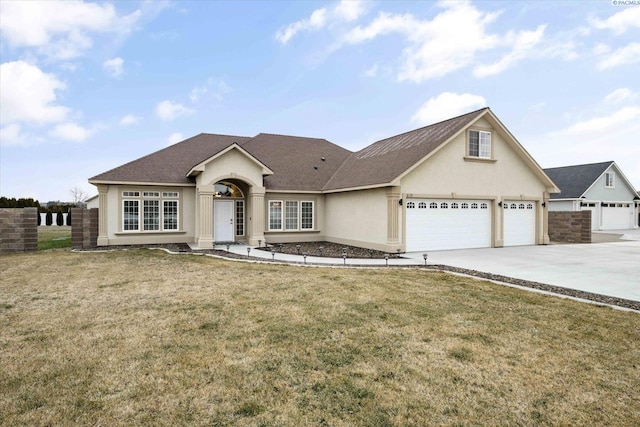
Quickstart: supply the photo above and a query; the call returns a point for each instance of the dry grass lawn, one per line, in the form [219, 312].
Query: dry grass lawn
[145, 338]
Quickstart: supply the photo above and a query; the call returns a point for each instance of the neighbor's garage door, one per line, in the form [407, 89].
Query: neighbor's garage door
[519, 223]
[617, 216]
[447, 224]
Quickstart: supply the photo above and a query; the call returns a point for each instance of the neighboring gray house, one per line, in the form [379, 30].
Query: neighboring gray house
[601, 188]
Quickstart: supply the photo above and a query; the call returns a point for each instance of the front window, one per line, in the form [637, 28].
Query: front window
[150, 211]
[239, 217]
[307, 215]
[130, 215]
[226, 189]
[291, 215]
[480, 144]
[170, 215]
[275, 215]
[151, 215]
[609, 180]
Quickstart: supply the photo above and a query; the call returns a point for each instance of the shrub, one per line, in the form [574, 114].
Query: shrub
[49, 218]
[69, 217]
[59, 218]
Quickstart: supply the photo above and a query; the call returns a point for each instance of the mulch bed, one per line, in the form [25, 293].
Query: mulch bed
[332, 250]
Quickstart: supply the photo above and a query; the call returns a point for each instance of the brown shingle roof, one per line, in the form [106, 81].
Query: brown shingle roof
[296, 162]
[385, 160]
[171, 165]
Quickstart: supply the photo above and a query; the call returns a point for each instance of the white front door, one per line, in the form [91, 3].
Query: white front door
[223, 220]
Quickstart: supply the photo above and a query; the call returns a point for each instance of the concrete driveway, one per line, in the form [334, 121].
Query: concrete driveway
[611, 268]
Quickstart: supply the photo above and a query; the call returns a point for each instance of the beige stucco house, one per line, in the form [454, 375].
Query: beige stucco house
[462, 183]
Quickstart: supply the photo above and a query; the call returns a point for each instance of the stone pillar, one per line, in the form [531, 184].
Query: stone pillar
[257, 217]
[393, 218]
[545, 220]
[205, 216]
[103, 212]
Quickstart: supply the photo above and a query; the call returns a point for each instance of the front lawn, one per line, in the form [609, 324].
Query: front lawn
[54, 237]
[141, 337]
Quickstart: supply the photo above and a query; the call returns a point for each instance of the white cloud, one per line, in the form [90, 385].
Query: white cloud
[317, 20]
[61, 29]
[448, 42]
[630, 54]
[11, 135]
[620, 95]
[29, 95]
[175, 138]
[349, 10]
[197, 92]
[373, 71]
[620, 22]
[523, 44]
[114, 66]
[447, 105]
[167, 110]
[217, 88]
[70, 132]
[344, 11]
[130, 119]
[604, 124]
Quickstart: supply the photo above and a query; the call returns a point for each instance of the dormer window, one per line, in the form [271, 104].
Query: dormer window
[609, 180]
[479, 144]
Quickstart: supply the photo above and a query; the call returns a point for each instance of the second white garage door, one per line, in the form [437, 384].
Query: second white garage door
[447, 224]
[519, 223]
[617, 216]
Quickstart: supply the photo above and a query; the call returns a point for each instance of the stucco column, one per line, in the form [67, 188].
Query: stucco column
[393, 218]
[545, 219]
[498, 224]
[103, 238]
[257, 217]
[205, 217]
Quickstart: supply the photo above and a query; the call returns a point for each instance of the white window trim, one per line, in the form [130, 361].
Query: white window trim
[140, 199]
[612, 183]
[313, 215]
[283, 225]
[281, 214]
[480, 145]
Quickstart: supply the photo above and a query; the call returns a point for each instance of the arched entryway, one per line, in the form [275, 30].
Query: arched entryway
[229, 206]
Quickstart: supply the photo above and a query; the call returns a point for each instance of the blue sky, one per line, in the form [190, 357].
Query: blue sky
[86, 87]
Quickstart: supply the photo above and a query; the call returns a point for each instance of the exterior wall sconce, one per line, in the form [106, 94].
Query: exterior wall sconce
[400, 202]
[544, 204]
[500, 203]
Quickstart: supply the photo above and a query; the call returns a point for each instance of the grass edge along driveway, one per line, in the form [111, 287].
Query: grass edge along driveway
[143, 337]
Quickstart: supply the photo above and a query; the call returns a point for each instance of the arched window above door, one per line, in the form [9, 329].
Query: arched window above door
[227, 189]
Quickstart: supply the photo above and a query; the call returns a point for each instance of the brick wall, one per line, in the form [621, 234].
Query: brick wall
[18, 230]
[570, 227]
[84, 228]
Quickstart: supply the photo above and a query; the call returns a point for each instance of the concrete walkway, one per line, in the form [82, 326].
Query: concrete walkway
[611, 268]
[373, 262]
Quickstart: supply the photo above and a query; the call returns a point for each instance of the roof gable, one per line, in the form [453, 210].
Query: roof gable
[575, 180]
[200, 167]
[169, 165]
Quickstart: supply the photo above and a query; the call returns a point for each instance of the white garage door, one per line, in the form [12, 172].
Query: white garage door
[595, 219]
[519, 223]
[448, 224]
[617, 216]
